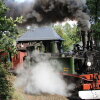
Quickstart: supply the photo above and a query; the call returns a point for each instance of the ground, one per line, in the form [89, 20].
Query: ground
[20, 95]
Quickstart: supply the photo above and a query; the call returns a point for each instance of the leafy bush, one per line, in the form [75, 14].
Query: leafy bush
[6, 89]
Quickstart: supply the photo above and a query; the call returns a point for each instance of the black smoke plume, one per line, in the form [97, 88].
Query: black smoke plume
[50, 11]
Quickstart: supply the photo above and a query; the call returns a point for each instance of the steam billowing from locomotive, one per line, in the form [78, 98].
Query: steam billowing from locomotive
[50, 11]
[38, 74]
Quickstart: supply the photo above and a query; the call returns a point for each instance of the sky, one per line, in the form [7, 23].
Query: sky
[72, 23]
[20, 1]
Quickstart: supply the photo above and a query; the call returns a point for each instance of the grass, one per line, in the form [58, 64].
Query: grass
[18, 95]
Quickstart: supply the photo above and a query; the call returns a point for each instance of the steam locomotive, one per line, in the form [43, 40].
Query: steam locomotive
[81, 66]
[87, 67]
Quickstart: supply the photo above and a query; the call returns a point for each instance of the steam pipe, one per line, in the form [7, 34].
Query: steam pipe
[84, 35]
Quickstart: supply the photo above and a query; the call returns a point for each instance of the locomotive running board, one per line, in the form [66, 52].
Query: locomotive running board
[89, 94]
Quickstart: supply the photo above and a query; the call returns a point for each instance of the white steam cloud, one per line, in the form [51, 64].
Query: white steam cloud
[43, 77]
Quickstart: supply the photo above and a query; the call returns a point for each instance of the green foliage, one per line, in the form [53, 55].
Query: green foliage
[3, 9]
[8, 35]
[96, 28]
[69, 34]
[6, 89]
[8, 31]
[94, 7]
[96, 34]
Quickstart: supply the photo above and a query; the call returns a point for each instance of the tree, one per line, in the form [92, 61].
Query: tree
[8, 31]
[8, 34]
[94, 7]
[6, 89]
[69, 34]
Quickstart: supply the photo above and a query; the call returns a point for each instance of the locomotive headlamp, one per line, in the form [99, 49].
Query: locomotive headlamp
[89, 63]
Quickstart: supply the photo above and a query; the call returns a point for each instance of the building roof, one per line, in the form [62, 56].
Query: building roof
[41, 33]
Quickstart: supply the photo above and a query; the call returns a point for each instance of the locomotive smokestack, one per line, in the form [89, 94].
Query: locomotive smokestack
[50, 11]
